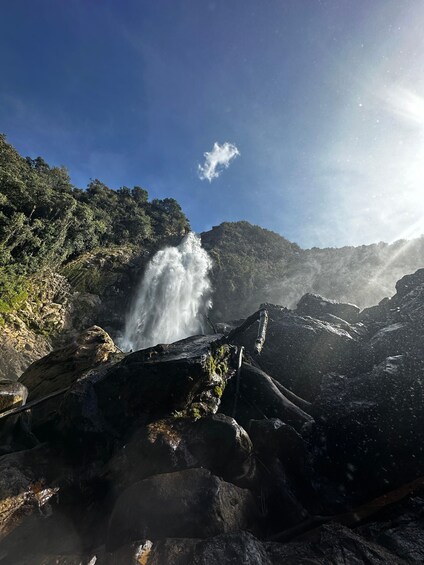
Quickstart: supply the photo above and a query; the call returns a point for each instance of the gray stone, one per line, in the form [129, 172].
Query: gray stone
[190, 503]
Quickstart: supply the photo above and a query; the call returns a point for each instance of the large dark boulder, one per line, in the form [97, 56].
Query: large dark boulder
[315, 305]
[370, 428]
[175, 551]
[400, 529]
[62, 367]
[190, 503]
[26, 486]
[410, 283]
[12, 394]
[398, 322]
[185, 378]
[14, 430]
[330, 545]
[392, 340]
[299, 350]
[215, 442]
[286, 473]
[240, 548]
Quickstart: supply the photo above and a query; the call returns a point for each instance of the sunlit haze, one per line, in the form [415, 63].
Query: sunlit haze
[323, 102]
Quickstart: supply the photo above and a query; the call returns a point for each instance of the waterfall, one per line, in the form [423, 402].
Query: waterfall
[173, 296]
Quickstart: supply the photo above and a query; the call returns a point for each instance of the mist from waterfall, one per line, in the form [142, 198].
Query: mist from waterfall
[173, 296]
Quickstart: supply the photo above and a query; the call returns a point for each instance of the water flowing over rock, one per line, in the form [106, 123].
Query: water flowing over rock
[173, 297]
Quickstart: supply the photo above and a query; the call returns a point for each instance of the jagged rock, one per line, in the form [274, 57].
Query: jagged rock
[333, 544]
[19, 347]
[329, 544]
[15, 430]
[315, 305]
[392, 340]
[12, 395]
[175, 551]
[400, 530]
[64, 366]
[25, 486]
[402, 315]
[240, 548]
[299, 350]
[376, 314]
[256, 395]
[186, 377]
[273, 438]
[286, 475]
[189, 503]
[409, 282]
[60, 369]
[103, 283]
[27, 334]
[214, 442]
[16, 434]
[370, 428]
[44, 537]
[400, 327]
[75, 518]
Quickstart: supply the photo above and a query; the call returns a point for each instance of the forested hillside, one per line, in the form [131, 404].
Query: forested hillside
[46, 222]
[69, 258]
[247, 261]
[253, 265]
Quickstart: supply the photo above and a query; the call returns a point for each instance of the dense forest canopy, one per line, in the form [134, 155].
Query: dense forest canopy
[45, 221]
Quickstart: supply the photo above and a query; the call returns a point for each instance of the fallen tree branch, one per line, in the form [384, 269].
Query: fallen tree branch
[304, 404]
[260, 339]
[310, 526]
[246, 325]
[239, 364]
[30, 405]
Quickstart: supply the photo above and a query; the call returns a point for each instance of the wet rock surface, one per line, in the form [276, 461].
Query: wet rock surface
[12, 394]
[189, 453]
[317, 306]
[64, 366]
[217, 443]
[197, 503]
[300, 350]
[373, 427]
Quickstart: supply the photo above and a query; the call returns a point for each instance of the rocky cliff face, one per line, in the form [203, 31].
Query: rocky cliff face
[94, 289]
[204, 452]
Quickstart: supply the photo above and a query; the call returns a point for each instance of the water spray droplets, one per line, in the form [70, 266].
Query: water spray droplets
[173, 297]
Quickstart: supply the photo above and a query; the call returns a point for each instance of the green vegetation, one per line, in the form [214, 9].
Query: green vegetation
[218, 390]
[46, 223]
[96, 270]
[13, 291]
[247, 259]
[195, 413]
[253, 265]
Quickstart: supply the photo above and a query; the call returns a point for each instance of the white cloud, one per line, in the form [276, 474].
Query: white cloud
[217, 160]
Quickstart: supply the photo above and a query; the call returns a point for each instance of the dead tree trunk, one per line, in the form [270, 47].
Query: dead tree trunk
[263, 324]
[262, 316]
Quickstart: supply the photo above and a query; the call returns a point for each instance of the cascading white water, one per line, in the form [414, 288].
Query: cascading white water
[173, 297]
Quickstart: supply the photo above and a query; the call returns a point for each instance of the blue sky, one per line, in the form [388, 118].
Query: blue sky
[324, 101]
